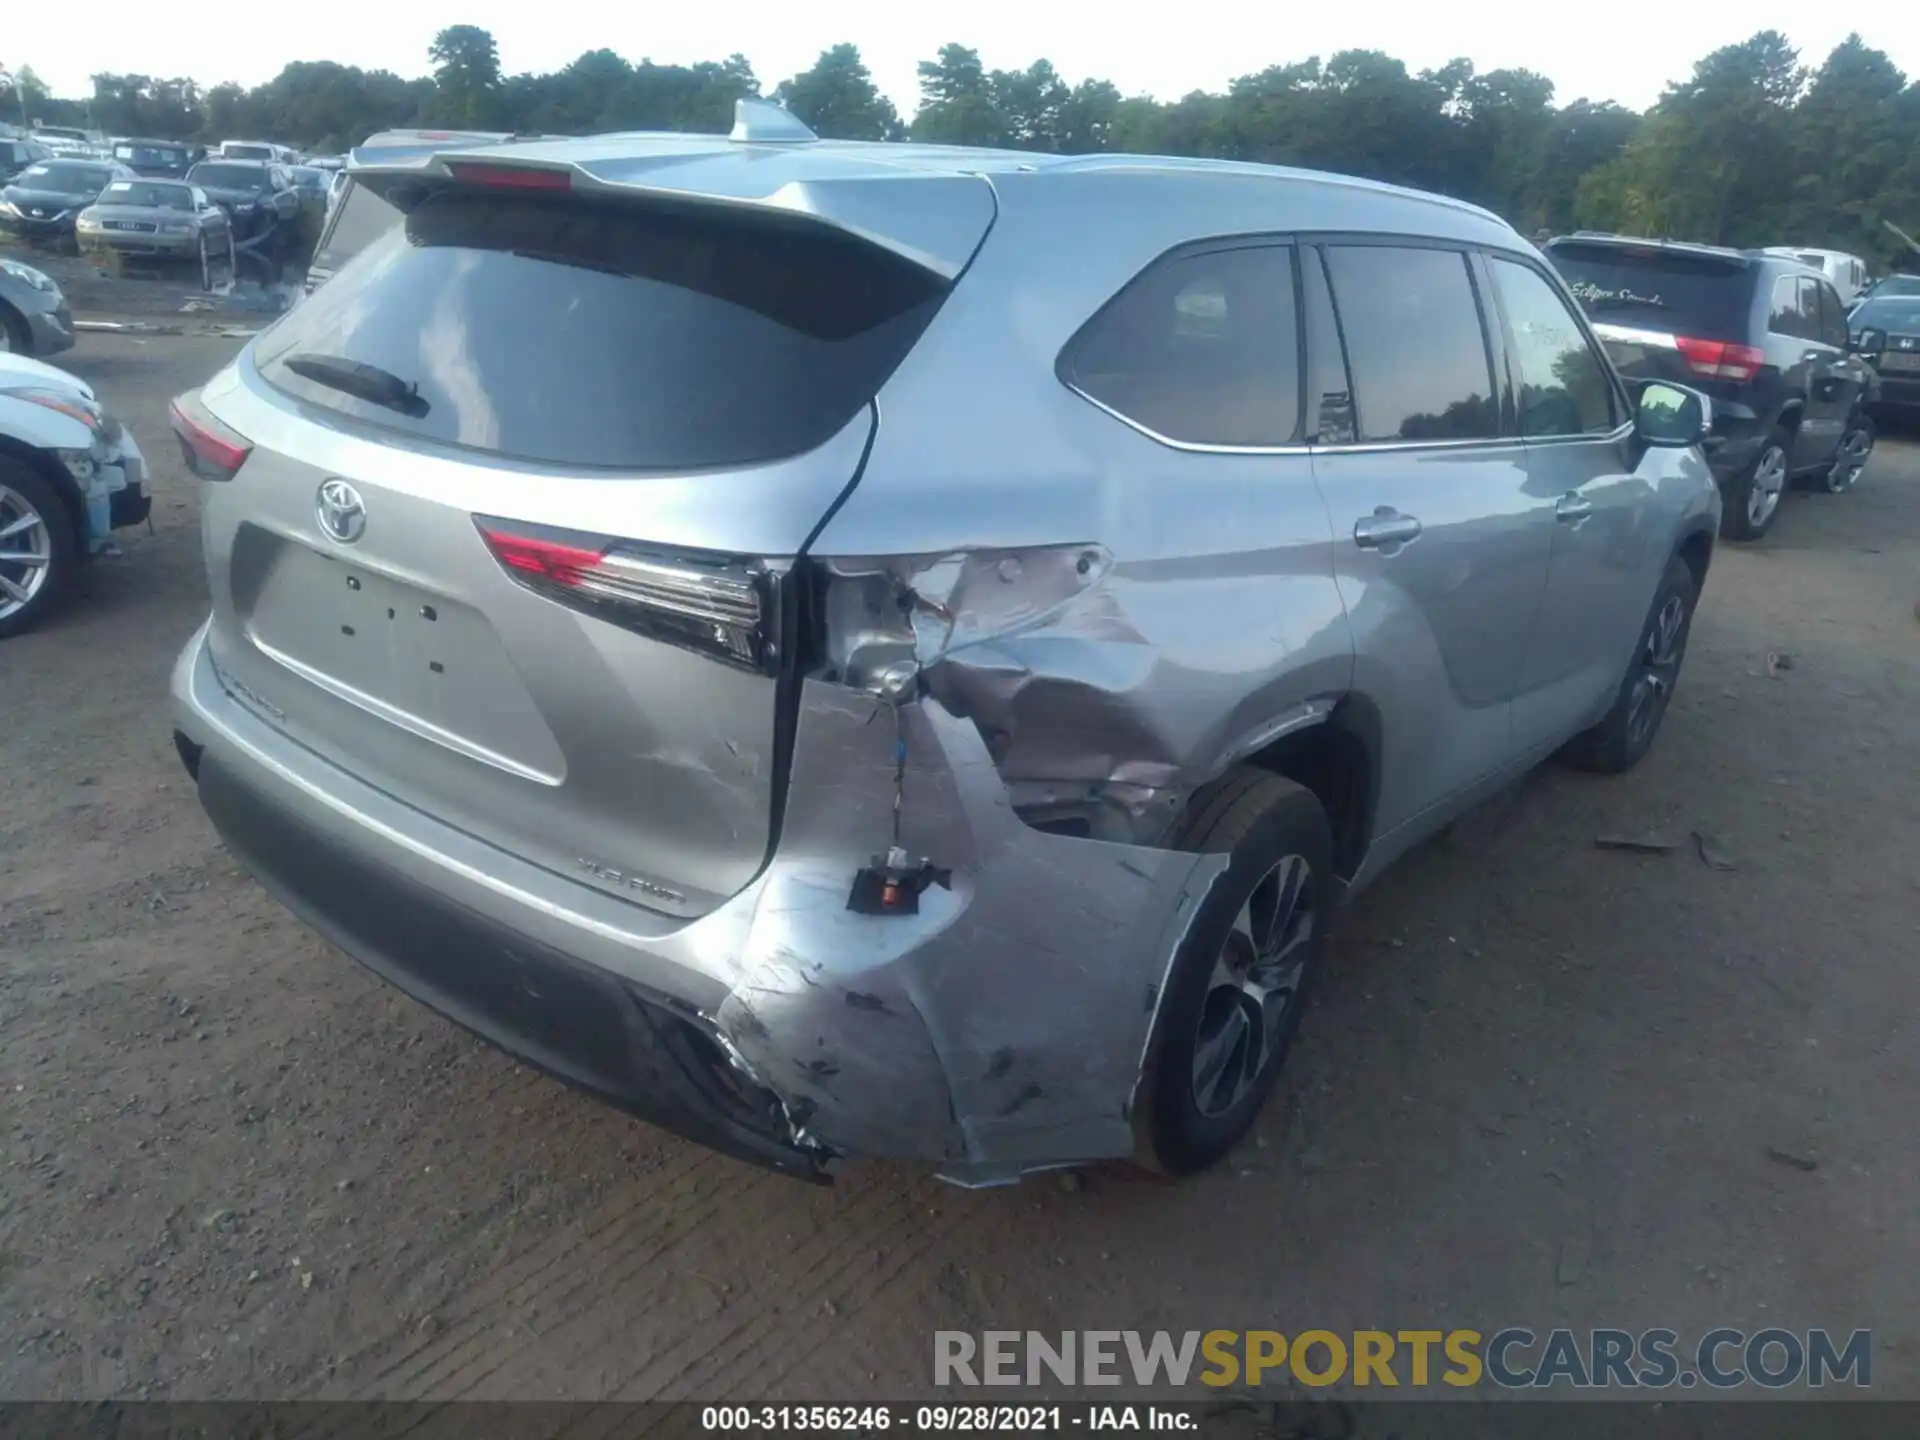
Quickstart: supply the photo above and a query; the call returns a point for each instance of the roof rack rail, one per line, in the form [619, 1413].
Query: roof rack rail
[761, 122]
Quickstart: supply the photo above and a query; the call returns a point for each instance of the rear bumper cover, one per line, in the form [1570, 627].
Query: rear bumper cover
[1001, 1029]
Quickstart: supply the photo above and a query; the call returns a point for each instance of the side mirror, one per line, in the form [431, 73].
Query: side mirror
[1868, 342]
[1672, 416]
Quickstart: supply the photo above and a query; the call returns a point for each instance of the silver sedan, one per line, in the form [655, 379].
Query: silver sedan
[167, 218]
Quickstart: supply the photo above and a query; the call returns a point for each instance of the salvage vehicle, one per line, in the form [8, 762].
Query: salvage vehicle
[166, 218]
[1846, 273]
[1886, 333]
[1764, 336]
[34, 316]
[72, 142]
[1886, 287]
[258, 198]
[898, 651]
[69, 471]
[41, 203]
[156, 159]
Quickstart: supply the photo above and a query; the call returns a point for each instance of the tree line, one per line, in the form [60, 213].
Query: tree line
[1752, 148]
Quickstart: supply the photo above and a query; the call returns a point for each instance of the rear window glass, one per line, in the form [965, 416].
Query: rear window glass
[590, 333]
[1657, 289]
[360, 218]
[1202, 349]
[230, 177]
[1897, 313]
[149, 155]
[247, 152]
[66, 178]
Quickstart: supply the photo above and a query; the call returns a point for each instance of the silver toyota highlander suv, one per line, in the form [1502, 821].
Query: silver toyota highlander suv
[887, 650]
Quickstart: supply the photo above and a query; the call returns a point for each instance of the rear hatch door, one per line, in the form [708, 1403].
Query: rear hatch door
[525, 479]
[1647, 302]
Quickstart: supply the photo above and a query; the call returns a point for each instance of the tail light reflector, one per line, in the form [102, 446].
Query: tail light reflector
[717, 605]
[1721, 359]
[211, 450]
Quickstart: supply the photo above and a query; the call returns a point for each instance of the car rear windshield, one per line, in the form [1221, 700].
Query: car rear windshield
[585, 332]
[149, 155]
[247, 152]
[67, 179]
[1670, 290]
[229, 177]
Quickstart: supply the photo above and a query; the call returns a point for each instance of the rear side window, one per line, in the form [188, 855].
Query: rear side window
[1200, 348]
[1564, 389]
[1673, 291]
[360, 218]
[1795, 309]
[584, 332]
[1414, 343]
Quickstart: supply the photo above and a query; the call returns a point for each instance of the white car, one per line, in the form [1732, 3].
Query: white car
[69, 473]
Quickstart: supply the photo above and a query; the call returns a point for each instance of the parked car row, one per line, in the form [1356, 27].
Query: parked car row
[1763, 334]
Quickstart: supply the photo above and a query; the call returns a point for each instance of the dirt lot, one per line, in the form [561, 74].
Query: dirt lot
[1546, 1083]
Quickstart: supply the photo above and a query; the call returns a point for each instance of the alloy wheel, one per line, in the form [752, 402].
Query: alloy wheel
[1254, 991]
[1856, 447]
[1657, 670]
[1769, 482]
[26, 552]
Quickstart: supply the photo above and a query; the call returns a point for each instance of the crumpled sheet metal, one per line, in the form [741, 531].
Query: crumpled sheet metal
[1001, 1028]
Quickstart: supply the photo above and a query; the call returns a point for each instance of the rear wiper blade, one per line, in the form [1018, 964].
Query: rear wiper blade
[362, 381]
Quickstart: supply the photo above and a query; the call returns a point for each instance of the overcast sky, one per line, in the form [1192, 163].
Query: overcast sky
[1164, 49]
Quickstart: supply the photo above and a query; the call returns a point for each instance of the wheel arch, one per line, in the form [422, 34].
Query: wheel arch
[55, 474]
[1696, 549]
[1338, 759]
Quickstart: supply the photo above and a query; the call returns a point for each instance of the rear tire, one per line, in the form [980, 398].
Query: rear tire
[1626, 732]
[43, 545]
[1753, 499]
[1244, 974]
[1850, 460]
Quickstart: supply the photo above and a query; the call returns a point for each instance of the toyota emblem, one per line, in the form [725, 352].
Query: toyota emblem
[343, 514]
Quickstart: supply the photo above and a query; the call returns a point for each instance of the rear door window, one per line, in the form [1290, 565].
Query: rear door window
[584, 332]
[1564, 386]
[1795, 309]
[1833, 316]
[1415, 344]
[1200, 348]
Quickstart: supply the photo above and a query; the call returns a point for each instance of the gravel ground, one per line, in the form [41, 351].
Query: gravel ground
[1546, 1084]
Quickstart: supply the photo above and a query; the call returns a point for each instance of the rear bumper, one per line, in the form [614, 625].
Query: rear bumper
[1001, 1029]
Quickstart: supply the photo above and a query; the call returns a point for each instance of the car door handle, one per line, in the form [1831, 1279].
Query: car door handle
[1386, 526]
[1572, 509]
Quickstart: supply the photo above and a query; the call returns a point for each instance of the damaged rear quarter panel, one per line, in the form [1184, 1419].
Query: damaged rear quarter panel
[1001, 1026]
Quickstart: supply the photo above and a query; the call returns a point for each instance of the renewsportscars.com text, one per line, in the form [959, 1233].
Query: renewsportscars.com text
[1514, 1358]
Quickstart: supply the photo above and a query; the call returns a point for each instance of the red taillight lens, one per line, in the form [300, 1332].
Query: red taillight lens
[211, 450]
[1720, 359]
[511, 177]
[719, 605]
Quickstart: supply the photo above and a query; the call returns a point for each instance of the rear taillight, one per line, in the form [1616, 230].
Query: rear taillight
[719, 605]
[211, 450]
[1720, 359]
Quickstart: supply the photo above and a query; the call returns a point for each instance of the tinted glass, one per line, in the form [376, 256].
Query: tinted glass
[1794, 309]
[1329, 391]
[580, 332]
[1833, 318]
[229, 177]
[1673, 291]
[1201, 348]
[1564, 389]
[360, 217]
[139, 192]
[64, 177]
[1414, 343]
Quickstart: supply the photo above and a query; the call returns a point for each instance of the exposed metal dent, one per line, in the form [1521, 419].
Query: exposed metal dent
[939, 1035]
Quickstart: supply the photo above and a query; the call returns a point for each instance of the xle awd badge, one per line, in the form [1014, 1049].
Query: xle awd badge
[343, 514]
